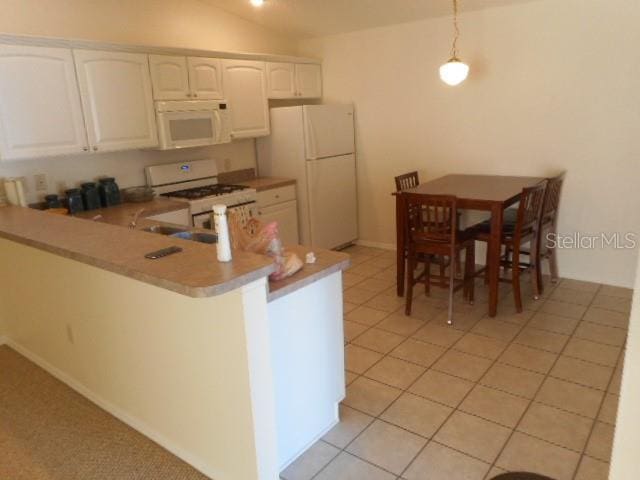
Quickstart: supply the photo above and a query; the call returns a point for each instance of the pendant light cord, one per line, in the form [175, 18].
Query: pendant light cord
[454, 47]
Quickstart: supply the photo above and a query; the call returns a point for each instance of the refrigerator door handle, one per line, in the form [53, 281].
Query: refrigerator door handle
[310, 140]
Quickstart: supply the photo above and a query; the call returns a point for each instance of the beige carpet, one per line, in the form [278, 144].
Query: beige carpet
[49, 432]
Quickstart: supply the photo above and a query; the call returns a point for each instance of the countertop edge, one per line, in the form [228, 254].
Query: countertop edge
[194, 292]
[286, 290]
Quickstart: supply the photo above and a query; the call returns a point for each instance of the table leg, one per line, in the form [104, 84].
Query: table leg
[400, 260]
[494, 246]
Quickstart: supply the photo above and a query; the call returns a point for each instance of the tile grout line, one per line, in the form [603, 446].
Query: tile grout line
[455, 409]
[451, 347]
[402, 391]
[593, 426]
[546, 377]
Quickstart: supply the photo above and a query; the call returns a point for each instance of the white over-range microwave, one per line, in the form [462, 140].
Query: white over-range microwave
[192, 123]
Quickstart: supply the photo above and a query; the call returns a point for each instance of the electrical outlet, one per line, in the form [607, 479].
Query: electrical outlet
[41, 182]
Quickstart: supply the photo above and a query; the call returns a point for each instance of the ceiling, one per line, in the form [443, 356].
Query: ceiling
[313, 18]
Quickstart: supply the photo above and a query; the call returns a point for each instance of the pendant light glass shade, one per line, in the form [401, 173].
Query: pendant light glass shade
[454, 72]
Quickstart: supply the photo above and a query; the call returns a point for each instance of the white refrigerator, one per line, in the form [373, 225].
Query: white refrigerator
[315, 145]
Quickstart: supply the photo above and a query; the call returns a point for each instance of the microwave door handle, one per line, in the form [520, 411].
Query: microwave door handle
[218, 126]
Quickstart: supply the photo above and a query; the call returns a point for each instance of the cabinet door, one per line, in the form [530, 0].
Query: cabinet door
[115, 89]
[169, 77]
[205, 78]
[308, 80]
[286, 214]
[245, 85]
[40, 113]
[281, 80]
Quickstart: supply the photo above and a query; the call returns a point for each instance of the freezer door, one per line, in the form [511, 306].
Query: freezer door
[328, 130]
[331, 189]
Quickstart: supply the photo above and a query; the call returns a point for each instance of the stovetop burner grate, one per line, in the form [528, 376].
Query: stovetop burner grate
[206, 191]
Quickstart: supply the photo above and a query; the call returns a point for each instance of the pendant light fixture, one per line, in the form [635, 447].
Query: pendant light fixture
[454, 72]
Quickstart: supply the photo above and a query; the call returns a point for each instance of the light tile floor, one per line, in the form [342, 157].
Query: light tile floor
[535, 391]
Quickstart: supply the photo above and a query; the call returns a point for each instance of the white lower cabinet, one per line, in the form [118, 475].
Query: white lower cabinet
[286, 214]
[280, 205]
[40, 113]
[115, 88]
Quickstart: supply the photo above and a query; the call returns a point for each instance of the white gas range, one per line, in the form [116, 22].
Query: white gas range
[196, 183]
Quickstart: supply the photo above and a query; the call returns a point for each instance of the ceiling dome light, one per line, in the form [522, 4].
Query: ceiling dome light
[454, 72]
[256, 3]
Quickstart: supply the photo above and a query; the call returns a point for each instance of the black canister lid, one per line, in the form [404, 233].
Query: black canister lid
[107, 180]
[72, 191]
[88, 185]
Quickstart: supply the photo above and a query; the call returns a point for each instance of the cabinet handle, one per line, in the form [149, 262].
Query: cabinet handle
[188, 95]
[277, 196]
[95, 148]
[195, 94]
[86, 149]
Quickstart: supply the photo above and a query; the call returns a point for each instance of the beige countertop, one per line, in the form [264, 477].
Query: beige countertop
[327, 262]
[267, 183]
[124, 213]
[194, 272]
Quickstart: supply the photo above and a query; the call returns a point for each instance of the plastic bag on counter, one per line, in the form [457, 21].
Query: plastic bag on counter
[257, 237]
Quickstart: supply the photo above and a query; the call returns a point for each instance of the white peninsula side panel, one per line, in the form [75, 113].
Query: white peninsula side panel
[307, 351]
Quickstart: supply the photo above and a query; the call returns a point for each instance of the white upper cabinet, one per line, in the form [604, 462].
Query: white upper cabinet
[245, 86]
[205, 78]
[40, 113]
[281, 80]
[115, 89]
[169, 77]
[309, 80]
[185, 78]
[294, 80]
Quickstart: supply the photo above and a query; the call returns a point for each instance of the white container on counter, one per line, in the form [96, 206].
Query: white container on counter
[222, 229]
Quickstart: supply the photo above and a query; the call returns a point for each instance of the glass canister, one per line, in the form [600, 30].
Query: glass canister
[74, 201]
[109, 192]
[52, 201]
[90, 196]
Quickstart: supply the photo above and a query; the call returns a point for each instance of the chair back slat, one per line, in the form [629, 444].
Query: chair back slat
[552, 199]
[430, 218]
[530, 209]
[407, 181]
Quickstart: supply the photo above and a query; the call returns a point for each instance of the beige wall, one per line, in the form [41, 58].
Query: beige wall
[192, 374]
[184, 23]
[552, 85]
[167, 23]
[625, 464]
[127, 167]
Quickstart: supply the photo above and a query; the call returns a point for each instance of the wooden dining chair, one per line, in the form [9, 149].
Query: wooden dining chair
[548, 226]
[410, 180]
[407, 181]
[514, 236]
[432, 230]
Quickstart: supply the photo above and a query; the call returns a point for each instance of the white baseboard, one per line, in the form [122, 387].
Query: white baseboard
[383, 246]
[117, 412]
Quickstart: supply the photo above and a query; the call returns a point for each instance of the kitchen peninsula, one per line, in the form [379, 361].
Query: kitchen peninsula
[210, 360]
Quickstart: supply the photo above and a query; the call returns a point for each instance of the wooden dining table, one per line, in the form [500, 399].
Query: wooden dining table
[490, 193]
